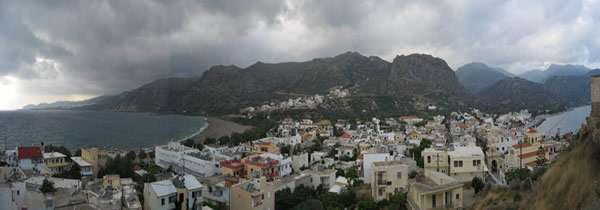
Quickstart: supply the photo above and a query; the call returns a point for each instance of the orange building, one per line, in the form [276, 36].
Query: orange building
[233, 168]
[266, 167]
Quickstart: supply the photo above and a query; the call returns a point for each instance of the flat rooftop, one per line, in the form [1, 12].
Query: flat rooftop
[53, 155]
[79, 161]
[394, 162]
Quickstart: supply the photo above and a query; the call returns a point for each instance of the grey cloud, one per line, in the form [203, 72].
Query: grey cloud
[111, 46]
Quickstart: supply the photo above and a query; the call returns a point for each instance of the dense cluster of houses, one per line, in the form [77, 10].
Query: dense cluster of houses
[299, 103]
[305, 152]
[26, 168]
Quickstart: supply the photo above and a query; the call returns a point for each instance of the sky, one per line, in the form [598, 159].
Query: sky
[73, 50]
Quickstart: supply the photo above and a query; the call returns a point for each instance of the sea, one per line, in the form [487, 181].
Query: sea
[76, 129]
[568, 121]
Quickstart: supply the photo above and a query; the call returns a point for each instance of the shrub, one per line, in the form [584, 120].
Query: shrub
[517, 197]
[412, 174]
[477, 184]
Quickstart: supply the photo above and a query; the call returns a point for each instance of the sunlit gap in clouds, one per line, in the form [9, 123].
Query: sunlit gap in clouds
[8, 93]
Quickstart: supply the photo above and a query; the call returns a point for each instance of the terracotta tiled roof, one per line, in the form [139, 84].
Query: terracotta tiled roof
[346, 136]
[524, 145]
[532, 130]
[29, 152]
[533, 163]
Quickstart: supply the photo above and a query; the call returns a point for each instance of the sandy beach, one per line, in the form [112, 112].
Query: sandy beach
[218, 127]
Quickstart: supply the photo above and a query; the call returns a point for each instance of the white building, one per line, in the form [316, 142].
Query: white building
[30, 157]
[164, 194]
[367, 163]
[198, 163]
[86, 168]
[325, 178]
[299, 161]
[285, 163]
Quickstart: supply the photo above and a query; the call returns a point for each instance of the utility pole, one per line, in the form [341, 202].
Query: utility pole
[521, 154]
[438, 161]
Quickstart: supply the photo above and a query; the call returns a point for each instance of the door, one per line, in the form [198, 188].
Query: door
[433, 201]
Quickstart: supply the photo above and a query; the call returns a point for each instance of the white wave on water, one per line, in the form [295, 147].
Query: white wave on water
[197, 132]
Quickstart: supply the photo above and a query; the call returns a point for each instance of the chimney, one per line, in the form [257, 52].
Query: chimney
[595, 86]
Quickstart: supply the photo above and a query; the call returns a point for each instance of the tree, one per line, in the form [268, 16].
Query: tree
[518, 174]
[130, 155]
[311, 204]
[224, 140]
[142, 155]
[73, 173]
[47, 186]
[77, 153]
[412, 174]
[477, 184]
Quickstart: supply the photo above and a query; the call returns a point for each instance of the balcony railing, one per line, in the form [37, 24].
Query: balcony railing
[381, 182]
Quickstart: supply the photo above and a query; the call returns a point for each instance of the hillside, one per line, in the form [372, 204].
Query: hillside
[477, 76]
[69, 104]
[540, 76]
[572, 182]
[406, 83]
[572, 90]
[517, 93]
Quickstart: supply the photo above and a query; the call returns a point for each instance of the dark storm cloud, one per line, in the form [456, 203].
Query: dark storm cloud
[99, 47]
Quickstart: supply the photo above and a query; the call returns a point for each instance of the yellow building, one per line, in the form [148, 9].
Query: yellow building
[112, 180]
[388, 178]
[90, 155]
[255, 194]
[534, 137]
[435, 191]
[466, 163]
[266, 147]
[435, 160]
[55, 161]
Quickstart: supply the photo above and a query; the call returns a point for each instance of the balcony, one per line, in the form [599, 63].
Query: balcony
[272, 175]
[382, 182]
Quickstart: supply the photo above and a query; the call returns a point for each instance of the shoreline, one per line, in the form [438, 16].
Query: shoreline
[215, 128]
[542, 118]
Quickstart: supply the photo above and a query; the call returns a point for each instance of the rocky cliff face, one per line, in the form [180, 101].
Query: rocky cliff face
[407, 81]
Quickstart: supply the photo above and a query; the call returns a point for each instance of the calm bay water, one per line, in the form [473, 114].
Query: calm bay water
[569, 121]
[75, 129]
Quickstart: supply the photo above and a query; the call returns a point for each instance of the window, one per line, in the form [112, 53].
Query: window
[172, 199]
[262, 196]
[478, 162]
[399, 175]
[457, 196]
[380, 192]
[162, 202]
[428, 159]
[458, 163]
[474, 163]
